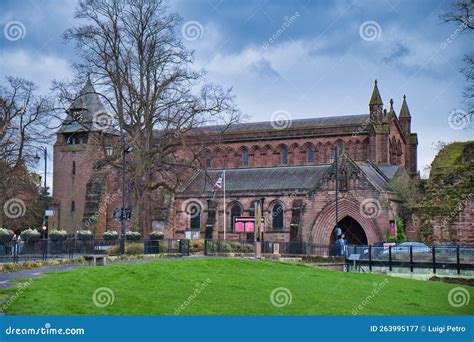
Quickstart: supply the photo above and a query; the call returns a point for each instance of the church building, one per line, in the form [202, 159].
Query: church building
[291, 170]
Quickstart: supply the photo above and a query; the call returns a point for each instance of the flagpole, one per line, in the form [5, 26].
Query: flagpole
[224, 204]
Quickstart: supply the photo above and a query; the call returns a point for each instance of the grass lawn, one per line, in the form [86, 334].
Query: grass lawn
[229, 287]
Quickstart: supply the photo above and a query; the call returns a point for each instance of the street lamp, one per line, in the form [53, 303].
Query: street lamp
[45, 191]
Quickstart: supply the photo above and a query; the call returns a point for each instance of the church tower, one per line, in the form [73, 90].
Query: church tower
[78, 148]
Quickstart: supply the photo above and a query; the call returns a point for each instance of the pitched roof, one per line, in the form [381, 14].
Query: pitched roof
[271, 179]
[82, 113]
[376, 99]
[404, 111]
[348, 120]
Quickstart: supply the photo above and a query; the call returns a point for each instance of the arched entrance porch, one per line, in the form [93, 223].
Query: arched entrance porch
[323, 227]
[352, 230]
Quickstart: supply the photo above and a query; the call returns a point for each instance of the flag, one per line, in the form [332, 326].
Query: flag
[218, 185]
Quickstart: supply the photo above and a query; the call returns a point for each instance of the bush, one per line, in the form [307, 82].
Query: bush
[85, 235]
[197, 246]
[57, 235]
[156, 235]
[111, 235]
[30, 235]
[130, 249]
[6, 235]
[132, 236]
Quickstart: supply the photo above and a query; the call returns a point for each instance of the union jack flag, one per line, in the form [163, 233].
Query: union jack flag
[218, 184]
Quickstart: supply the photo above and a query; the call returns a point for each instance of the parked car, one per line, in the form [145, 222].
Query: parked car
[404, 247]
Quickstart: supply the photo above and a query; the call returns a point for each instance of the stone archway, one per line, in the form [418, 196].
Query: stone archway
[324, 224]
[352, 230]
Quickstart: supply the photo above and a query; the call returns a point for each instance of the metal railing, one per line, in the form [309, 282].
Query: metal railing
[44, 249]
[434, 257]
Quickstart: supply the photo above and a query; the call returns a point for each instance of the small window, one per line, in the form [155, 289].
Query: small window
[73, 170]
[73, 206]
[310, 154]
[195, 213]
[245, 157]
[277, 215]
[284, 155]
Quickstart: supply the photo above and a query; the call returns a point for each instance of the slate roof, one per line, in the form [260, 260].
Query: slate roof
[389, 170]
[88, 104]
[348, 120]
[272, 179]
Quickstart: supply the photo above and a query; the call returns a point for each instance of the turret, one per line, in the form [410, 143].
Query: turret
[405, 118]
[376, 105]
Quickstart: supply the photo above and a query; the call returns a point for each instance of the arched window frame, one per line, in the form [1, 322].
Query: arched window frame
[284, 155]
[194, 212]
[235, 211]
[245, 157]
[309, 154]
[278, 216]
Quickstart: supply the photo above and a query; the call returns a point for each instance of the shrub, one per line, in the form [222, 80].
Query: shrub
[57, 234]
[111, 235]
[130, 249]
[85, 235]
[156, 235]
[197, 246]
[132, 236]
[5, 235]
[30, 235]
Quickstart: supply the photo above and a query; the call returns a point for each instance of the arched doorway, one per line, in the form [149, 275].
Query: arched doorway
[353, 231]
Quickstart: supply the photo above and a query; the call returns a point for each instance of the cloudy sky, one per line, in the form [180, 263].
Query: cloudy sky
[306, 58]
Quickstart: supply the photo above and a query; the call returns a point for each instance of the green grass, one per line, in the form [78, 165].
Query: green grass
[234, 287]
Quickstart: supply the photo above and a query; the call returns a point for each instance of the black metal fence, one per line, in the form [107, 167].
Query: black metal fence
[227, 246]
[44, 249]
[431, 257]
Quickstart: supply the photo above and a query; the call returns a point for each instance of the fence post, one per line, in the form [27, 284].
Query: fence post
[205, 246]
[390, 258]
[457, 260]
[411, 258]
[370, 258]
[433, 251]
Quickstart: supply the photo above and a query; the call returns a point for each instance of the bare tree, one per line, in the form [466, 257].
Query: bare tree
[463, 16]
[24, 120]
[131, 49]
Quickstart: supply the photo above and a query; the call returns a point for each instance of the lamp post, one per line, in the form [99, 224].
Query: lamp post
[122, 212]
[45, 191]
